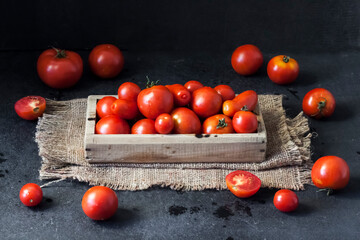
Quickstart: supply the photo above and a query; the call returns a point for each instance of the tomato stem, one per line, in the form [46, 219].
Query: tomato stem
[286, 59]
[221, 123]
[328, 191]
[150, 84]
[59, 53]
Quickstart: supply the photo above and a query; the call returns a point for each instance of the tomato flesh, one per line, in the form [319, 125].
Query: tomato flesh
[30, 107]
[286, 200]
[31, 194]
[243, 184]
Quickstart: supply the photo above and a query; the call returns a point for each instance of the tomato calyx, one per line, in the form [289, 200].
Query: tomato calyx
[59, 53]
[221, 124]
[286, 59]
[328, 191]
[150, 84]
[244, 108]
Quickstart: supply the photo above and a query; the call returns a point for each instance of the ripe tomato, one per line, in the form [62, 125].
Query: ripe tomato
[129, 91]
[106, 61]
[59, 68]
[226, 92]
[30, 107]
[283, 69]
[319, 103]
[218, 124]
[247, 59]
[103, 106]
[193, 85]
[185, 121]
[154, 101]
[99, 203]
[246, 100]
[164, 123]
[206, 102]
[286, 200]
[245, 122]
[182, 96]
[31, 194]
[144, 126]
[112, 124]
[330, 172]
[242, 184]
[125, 109]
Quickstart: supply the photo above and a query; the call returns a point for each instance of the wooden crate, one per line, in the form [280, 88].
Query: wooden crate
[171, 148]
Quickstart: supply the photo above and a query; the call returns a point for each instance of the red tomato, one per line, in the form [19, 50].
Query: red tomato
[185, 121]
[245, 122]
[206, 102]
[164, 123]
[226, 92]
[193, 85]
[246, 100]
[99, 203]
[112, 124]
[144, 126]
[247, 59]
[129, 91]
[319, 103]
[283, 69]
[330, 172]
[218, 124]
[59, 68]
[182, 96]
[286, 200]
[103, 106]
[31, 194]
[30, 107]
[106, 61]
[125, 109]
[242, 183]
[154, 101]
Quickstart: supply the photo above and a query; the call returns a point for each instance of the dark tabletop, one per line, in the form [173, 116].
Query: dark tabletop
[332, 62]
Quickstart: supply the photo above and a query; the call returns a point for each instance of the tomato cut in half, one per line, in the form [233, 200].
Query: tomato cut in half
[30, 107]
[242, 184]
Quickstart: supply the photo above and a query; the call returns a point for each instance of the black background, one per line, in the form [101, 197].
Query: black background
[176, 41]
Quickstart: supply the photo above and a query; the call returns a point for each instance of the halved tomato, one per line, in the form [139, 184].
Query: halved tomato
[30, 107]
[243, 184]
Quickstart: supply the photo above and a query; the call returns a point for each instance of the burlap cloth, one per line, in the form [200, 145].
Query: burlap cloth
[60, 138]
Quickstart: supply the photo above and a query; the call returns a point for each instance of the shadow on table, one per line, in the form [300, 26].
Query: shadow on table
[121, 218]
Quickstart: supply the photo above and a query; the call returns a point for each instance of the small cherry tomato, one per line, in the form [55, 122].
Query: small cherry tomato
[99, 203]
[283, 69]
[247, 59]
[193, 85]
[106, 61]
[206, 102]
[319, 103]
[144, 126]
[125, 109]
[330, 172]
[31, 194]
[103, 106]
[226, 92]
[286, 200]
[185, 121]
[30, 107]
[182, 96]
[245, 122]
[129, 91]
[244, 101]
[164, 123]
[112, 124]
[218, 124]
[243, 184]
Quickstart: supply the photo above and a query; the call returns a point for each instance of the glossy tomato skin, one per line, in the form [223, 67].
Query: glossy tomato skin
[243, 184]
[125, 109]
[112, 124]
[218, 124]
[193, 85]
[286, 200]
[185, 121]
[330, 172]
[245, 122]
[247, 59]
[99, 203]
[283, 69]
[154, 101]
[30, 107]
[144, 126]
[247, 99]
[31, 194]
[103, 106]
[182, 96]
[106, 61]
[206, 102]
[129, 91]
[59, 68]
[225, 91]
[319, 103]
[164, 123]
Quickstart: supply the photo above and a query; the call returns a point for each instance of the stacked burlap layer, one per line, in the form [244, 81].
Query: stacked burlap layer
[60, 137]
